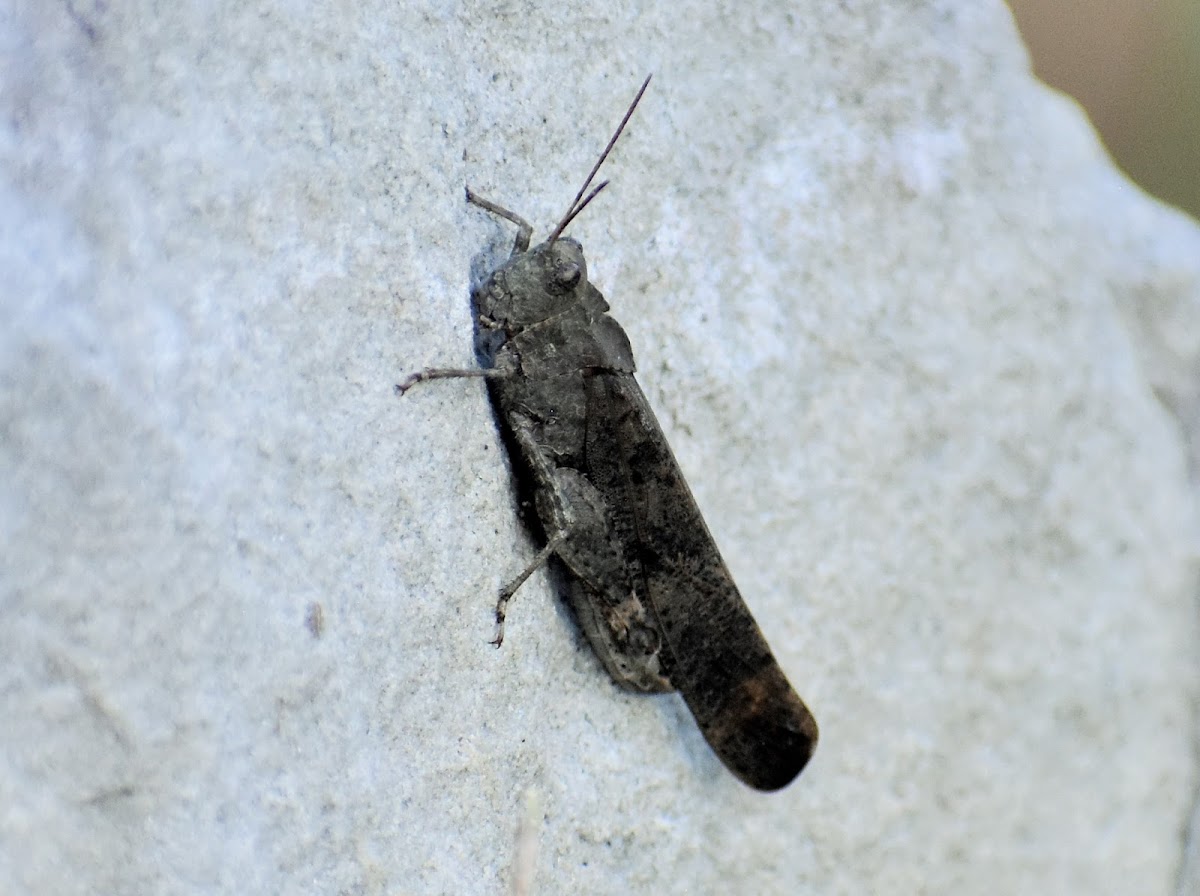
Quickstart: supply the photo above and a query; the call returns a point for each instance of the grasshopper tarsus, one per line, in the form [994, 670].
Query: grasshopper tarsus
[408, 382]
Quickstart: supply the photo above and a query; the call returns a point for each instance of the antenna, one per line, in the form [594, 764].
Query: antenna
[576, 206]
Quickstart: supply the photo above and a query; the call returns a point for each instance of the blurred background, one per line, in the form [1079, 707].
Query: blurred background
[1134, 66]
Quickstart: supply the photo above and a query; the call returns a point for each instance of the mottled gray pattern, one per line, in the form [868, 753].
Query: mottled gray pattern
[644, 576]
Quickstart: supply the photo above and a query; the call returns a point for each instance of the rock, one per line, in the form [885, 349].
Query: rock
[929, 362]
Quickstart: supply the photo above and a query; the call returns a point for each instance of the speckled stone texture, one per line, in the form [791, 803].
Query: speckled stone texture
[931, 364]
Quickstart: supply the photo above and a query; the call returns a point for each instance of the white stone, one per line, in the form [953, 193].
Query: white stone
[929, 362]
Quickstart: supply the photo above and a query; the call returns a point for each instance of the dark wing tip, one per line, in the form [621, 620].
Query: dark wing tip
[763, 732]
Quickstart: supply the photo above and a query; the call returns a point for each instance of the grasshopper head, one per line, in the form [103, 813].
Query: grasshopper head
[536, 285]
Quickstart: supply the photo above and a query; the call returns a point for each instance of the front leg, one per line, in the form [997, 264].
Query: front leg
[524, 230]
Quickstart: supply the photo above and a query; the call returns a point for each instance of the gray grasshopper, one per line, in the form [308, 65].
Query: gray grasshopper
[639, 568]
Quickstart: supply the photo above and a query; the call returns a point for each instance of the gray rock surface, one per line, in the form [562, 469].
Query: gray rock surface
[930, 363]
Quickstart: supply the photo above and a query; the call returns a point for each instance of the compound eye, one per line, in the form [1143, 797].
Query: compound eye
[567, 275]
